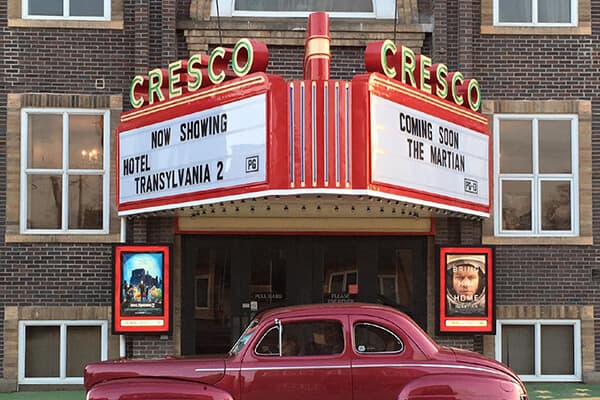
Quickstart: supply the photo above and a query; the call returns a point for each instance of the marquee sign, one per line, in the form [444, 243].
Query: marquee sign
[203, 132]
[219, 147]
[434, 158]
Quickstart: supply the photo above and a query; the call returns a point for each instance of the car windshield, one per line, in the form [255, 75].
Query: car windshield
[243, 339]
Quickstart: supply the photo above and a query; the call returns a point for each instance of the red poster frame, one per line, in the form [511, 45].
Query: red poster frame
[467, 313]
[132, 313]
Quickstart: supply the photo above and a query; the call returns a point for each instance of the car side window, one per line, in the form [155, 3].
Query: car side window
[373, 338]
[269, 344]
[303, 338]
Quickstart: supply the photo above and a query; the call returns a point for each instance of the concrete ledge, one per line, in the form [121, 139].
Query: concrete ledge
[50, 388]
[592, 377]
[8, 385]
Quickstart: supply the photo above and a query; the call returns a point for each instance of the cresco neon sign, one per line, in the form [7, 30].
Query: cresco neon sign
[248, 56]
[418, 71]
[184, 76]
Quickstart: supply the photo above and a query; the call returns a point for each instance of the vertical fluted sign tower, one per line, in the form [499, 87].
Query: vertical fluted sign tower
[316, 49]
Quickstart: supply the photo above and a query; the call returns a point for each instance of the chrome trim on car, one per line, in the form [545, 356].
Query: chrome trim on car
[209, 370]
[373, 366]
[296, 367]
[430, 366]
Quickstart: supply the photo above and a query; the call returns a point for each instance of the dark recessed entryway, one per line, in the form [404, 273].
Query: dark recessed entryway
[228, 279]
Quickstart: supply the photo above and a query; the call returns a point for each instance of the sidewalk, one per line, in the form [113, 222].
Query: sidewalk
[536, 391]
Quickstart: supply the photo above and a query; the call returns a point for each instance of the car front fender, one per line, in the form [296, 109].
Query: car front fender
[155, 389]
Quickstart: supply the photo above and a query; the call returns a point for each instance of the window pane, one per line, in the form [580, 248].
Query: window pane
[557, 350]
[514, 10]
[85, 202]
[555, 146]
[515, 146]
[42, 351]
[556, 205]
[201, 292]
[86, 8]
[315, 337]
[46, 7]
[268, 277]
[305, 5]
[83, 347]
[44, 138]
[554, 11]
[516, 205]
[395, 277]
[518, 348]
[44, 201]
[339, 272]
[85, 141]
[269, 344]
[374, 339]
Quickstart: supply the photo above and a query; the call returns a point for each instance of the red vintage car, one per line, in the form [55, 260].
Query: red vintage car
[315, 352]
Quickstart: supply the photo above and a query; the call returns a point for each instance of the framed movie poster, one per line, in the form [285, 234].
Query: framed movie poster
[141, 289]
[467, 290]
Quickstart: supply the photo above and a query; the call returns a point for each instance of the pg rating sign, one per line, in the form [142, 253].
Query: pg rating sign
[432, 160]
[216, 148]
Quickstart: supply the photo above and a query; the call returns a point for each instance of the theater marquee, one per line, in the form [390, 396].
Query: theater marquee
[218, 128]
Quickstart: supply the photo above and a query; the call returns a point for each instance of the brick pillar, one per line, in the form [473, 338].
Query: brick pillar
[169, 35]
[141, 42]
[465, 37]
[140, 230]
[440, 32]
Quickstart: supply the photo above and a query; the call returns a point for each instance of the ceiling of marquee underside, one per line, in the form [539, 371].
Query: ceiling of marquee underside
[311, 206]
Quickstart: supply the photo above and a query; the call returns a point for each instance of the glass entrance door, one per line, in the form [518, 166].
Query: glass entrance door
[226, 280]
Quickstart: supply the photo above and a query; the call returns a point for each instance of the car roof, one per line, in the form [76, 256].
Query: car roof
[425, 343]
[329, 308]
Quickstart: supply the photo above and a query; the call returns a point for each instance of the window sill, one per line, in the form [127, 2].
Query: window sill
[536, 30]
[537, 240]
[67, 238]
[45, 23]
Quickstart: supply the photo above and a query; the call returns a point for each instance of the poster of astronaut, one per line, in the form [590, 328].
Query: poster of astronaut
[466, 289]
[141, 288]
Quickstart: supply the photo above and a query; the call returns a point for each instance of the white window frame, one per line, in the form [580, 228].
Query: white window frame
[536, 178]
[65, 172]
[345, 275]
[538, 377]
[534, 16]
[66, 4]
[63, 324]
[382, 9]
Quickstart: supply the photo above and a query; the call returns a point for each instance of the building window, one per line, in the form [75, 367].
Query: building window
[64, 171]
[56, 352]
[535, 12]
[540, 350]
[536, 188]
[67, 9]
[288, 8]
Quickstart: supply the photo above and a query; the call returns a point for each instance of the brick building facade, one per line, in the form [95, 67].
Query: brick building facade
[59, 270]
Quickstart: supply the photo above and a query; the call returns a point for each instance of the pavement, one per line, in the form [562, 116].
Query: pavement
[537, 391]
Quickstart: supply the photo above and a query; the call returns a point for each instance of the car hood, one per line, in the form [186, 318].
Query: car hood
[209, 370]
